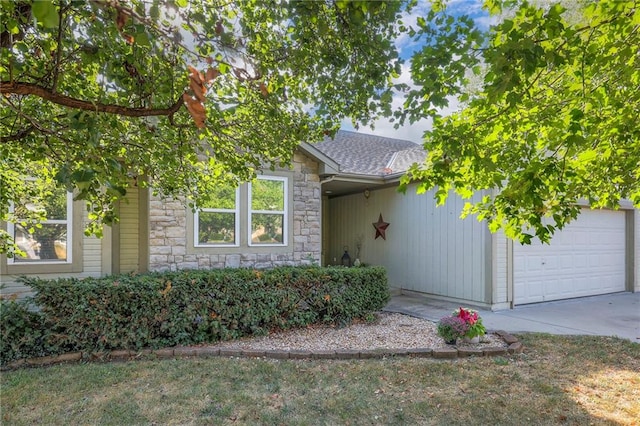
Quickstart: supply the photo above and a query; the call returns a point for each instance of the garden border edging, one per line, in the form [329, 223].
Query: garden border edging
[514, 347]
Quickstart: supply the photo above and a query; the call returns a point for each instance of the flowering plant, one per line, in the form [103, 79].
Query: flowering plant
[450, 328]
[473, 321]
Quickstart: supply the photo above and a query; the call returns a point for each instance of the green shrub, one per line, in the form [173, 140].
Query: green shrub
[22, 331]
[196, 306]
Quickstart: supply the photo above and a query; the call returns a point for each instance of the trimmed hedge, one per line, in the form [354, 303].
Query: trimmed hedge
[184, 308]
[22, 331]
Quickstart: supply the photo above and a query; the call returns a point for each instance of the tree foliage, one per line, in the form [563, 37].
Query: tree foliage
[93, 91]
[554, 121]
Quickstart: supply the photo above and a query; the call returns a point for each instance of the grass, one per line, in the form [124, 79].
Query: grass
[558, 380]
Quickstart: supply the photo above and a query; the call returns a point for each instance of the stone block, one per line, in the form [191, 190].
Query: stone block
[297, 354]
[206, 351]
[184, 351]
[164, 353]
[120, 354]
[445, 353]
[324, 354]
[253, 353]
[175, 232]
[69, 357]
[370, 354]
[392, 352]
[516, 348]
[176, 241]
[42, 360]
[465, 352]
[158, 259]
[509, 339]
[159, 250]
[142, 353]
[275, 354]
[230, 352]
[13, 365]
[232, 261]
[347, 354]
[155, 242]
[420, 352]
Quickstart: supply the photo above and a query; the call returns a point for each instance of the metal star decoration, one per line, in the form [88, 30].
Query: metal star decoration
[381, 227]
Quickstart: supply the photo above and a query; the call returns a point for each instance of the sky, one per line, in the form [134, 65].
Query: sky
[406, 47]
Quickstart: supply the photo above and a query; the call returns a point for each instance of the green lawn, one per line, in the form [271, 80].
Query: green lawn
[558, 380]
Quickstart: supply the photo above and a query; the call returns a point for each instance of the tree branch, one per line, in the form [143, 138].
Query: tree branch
[56, 69]
[20, 134]
[16, 88]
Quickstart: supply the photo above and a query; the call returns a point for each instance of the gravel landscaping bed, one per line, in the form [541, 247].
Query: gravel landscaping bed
[389, 331]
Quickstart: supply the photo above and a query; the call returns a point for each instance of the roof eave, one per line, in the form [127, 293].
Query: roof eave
[327, 166]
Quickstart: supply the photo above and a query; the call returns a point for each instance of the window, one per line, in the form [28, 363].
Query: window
[50, 240]
[267, 211]
[216, 223]
[253, 218]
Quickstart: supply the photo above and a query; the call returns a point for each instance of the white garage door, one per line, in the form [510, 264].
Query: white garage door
[586, 258]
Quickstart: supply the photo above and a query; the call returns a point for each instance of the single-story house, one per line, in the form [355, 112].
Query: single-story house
[430, 250]
[326, 204]
[270, 222]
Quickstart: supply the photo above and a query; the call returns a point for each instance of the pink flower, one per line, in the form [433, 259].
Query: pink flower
[468, 316]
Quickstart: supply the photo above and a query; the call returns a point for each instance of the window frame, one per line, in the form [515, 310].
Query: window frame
[243, 248]
[284, 212]
[75, 263]
[235, 212]
[68, 221]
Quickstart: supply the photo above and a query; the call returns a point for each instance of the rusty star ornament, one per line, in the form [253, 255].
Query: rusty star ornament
[381, 227]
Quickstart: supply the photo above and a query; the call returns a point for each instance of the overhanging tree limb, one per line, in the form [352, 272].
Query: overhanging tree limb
[17, 88]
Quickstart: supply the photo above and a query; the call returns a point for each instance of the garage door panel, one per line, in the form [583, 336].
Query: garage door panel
[586, 258]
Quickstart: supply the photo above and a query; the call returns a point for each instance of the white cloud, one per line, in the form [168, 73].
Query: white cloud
[407, 46]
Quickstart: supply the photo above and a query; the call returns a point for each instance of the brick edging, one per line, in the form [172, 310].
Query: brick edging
[515, 347]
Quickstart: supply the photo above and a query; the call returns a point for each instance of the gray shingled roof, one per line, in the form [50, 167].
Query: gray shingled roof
[362, 154]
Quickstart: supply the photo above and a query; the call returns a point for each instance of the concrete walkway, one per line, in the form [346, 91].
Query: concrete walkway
[609, 315]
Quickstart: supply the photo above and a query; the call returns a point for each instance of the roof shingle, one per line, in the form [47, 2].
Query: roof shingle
[363, 154]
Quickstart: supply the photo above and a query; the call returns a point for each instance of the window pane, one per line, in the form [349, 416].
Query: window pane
[267, 195]
[266, 228]
[54, 206]
[216, 228]
[46, 243]
[223, 197]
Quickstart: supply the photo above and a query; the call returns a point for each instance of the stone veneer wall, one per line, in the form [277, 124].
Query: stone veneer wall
[168, 231]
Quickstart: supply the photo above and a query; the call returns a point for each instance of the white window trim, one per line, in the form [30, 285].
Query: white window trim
[236, 212]
[284, 213]
[68, 221]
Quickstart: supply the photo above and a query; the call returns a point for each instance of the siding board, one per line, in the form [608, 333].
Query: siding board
[129, 231]
[428, 249]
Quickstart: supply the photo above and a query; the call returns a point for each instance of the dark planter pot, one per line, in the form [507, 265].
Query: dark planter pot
[450, 342]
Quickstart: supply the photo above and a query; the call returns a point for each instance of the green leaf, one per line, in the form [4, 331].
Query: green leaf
[46, 13]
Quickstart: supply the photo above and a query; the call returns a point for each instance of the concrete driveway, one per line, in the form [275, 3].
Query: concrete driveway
[609, 315]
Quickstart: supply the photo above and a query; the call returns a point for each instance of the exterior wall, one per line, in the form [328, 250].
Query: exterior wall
[91, 264]
[171, 228]
[130, 234]
[502, 264]
[129, 231]
[428, 249]
[636, 251]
